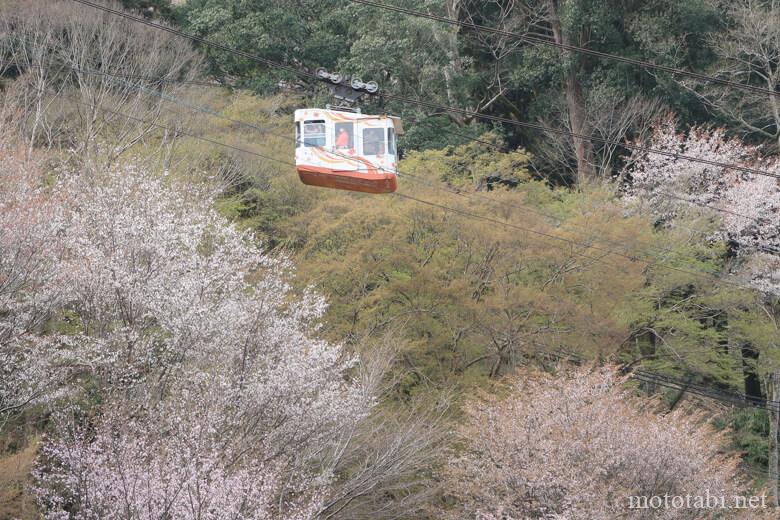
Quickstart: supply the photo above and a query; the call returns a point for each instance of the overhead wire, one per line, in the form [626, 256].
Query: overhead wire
[559, 220]
[713, 208]
[730, 397]
[495, 202]
[159, 79]
[663, 194]
[641, 375]
[182, 34]
[568, 47]
[428, 104]
[767, 249]
[361, 167]
[426, 121]
[180, 131]
[595, 139]
[703, 391]
[651, 377]
[419, 180]
[633, 258]
[423, 103]
[587, 246]
[648, 378]
[630, 256]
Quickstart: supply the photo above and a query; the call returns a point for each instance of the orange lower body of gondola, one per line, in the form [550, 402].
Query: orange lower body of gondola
[348, 180]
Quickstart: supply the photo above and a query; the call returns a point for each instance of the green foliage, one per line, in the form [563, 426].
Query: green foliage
[150, 8]
[309, 31]
[421, 58]
[473, 164]
[476, 298]
[437, 132]
[750, 429]
[469, 299]
[68, 323]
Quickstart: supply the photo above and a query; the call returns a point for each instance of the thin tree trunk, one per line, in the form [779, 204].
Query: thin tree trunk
[40, 87]
[450, 40]
[575, 100]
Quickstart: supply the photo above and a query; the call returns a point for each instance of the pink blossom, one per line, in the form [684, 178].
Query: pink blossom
[747, 205]
[578, 445]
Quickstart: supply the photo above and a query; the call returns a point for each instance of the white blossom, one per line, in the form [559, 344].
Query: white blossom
[218, 399]
[578, 445]
[32, 223]
[746, 204]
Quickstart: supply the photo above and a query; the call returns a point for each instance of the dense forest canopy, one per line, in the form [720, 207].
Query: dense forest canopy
[186, 329]
[503, 75]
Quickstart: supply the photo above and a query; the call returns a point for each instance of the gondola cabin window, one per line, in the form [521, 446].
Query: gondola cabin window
[373, 141]
[345, 136]
[314, 133]
[391, 141]
[297, 135]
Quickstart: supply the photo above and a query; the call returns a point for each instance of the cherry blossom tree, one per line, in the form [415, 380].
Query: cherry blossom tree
[228, 395]
[578, 445]
[747, 207]
[210, 393]
[183, 459]
[31, 223]
[746, 204]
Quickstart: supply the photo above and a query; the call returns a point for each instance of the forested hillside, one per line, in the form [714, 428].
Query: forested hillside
[572, 298]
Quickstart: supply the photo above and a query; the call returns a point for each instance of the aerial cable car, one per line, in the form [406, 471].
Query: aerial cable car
[341, 148]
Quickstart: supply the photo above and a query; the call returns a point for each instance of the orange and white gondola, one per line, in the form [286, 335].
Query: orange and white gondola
[346, 150]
